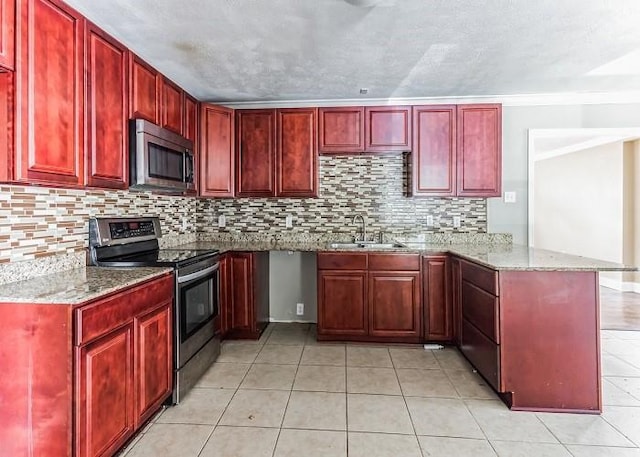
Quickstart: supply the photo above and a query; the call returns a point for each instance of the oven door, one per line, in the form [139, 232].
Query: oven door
[197, 302]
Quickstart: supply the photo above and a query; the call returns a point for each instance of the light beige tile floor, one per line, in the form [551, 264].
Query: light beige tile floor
[288, 395]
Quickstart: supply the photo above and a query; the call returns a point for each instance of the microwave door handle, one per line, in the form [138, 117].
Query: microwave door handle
[188, 166]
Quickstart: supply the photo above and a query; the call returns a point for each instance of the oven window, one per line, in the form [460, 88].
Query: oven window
[198, 305]
[165, 163]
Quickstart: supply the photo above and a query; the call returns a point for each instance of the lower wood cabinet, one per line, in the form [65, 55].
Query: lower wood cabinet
[438, 312]
[82, 379]
[246, 301]
[342, 303]
[369, 297]
[536, 346]
[105, 386]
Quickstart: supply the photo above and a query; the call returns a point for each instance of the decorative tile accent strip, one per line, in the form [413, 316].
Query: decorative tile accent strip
[38, 222]
[371, 185]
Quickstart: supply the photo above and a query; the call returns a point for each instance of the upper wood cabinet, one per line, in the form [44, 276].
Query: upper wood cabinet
[341, 129]
[479, 150]
[457, 150]
[255, 152]
[50, 96]
[387, 128]
[172, 106]
[107, 91]
[144, 90]
[296, 153]
[190, 128]
[276, 153]
[7, 33]
[434, 151]
[217, 159]
[6, 121]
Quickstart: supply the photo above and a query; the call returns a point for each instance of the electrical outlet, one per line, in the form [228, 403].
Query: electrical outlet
[222, 221]
[288, 221]
[300, 309]
[429, 220]
[509, 197]
[457, 221]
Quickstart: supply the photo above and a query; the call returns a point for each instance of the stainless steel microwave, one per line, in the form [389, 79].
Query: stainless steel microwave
[159, 158]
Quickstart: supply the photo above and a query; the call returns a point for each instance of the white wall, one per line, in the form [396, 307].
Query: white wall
[292, 279]
[517, 120]
[578, 203]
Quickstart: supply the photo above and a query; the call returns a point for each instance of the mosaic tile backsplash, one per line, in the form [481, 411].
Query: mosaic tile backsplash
[50, 226]
[37, 222]
[371, 185]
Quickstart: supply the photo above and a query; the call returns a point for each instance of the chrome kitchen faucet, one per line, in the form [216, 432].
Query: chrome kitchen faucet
[364, 227]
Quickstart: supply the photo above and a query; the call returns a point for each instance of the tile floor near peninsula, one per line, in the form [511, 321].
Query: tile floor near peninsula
[287, 395]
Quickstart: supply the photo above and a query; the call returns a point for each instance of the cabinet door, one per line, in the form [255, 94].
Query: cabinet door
[456, 298]
[342, 303]
[296, 158]
[242, 300]
[434, 151]
[479, 157]
[105, 417]
[394, 304]
[107, 95]
[217, 160]
[190, 129]
[50, 100]
[255, 153]
[341, 129]
[438, 313]
[7, 33]
[222, 321]
[387, 128]
[144, 90]
[7, 158]
[154, 360]
[172, 106]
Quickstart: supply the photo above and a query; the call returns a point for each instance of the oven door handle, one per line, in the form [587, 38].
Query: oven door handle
[198, 274]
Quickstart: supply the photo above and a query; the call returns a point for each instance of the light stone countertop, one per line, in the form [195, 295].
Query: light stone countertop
[499, 256]
[74, 287]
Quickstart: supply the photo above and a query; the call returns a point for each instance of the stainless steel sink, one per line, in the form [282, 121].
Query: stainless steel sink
[365, 245]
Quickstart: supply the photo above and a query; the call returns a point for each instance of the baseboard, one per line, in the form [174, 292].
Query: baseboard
[622, 286]
[289, 321]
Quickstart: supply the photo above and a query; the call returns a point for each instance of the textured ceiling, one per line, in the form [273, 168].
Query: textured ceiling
[259, 50]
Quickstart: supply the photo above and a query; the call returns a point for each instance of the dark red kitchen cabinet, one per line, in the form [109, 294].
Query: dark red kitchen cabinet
[248, 294]
[342, 303]
[296, 153]
[154, 360]
[107, 91]
[394, 304]
[479, 160]
[341, 130]
[387, 128]
[255, 152]
[190, 128]
[171, 106]
[217, 159]
[6, 126]
[438, 312]
[105, 387]
[50, 97]
[7, 33]
[145, 89]
[434, 151]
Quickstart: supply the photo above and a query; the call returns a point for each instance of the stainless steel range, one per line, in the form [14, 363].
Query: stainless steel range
[133, 242]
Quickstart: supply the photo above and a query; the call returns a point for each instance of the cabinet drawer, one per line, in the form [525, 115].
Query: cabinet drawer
[481, 309]
[480, 276]
[483, 353]
[342, 261]
[394, 262]
[103, 316]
